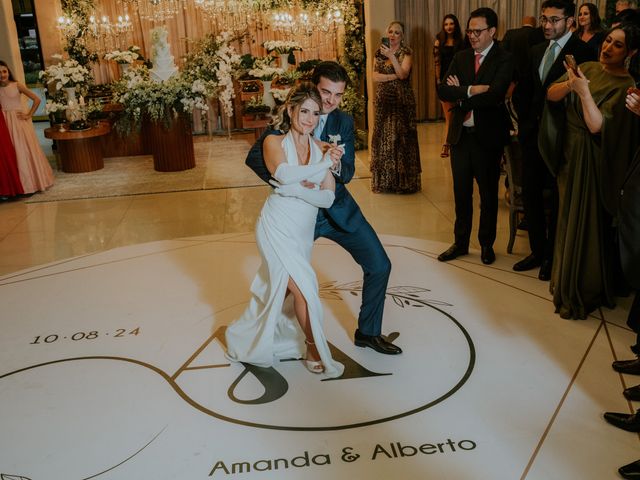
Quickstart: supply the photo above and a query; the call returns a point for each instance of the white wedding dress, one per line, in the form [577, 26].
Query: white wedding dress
[268, 329]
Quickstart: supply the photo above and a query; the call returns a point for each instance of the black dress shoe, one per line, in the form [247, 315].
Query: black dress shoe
[626, 421]
[454, 251]
[377, 342]
[487, 255]
[528, 263]
[545, 271]
[630, 367]
[632, 393]
[631, 470]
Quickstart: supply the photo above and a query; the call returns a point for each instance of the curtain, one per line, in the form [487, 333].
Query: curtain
[423, 20]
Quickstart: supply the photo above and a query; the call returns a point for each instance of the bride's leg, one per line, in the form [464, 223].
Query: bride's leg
[302, 314]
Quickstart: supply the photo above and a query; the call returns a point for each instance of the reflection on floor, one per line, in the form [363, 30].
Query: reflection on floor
[108, 359]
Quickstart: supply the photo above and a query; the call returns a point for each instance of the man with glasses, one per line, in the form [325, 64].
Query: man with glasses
[476, 83]
[545, 68]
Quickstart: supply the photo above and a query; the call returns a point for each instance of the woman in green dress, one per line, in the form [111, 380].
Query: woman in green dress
[595, 130]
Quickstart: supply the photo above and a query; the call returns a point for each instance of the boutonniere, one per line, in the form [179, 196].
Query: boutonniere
[334, 139]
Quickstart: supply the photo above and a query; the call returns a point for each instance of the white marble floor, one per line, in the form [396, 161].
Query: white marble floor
[111, 365]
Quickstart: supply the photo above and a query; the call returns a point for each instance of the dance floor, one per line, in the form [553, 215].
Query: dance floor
[113, 367]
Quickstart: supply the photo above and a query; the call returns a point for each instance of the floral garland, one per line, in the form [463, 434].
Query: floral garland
[75, 42]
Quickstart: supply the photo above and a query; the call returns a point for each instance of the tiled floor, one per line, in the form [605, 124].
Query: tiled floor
[32, 234]
[107, 359]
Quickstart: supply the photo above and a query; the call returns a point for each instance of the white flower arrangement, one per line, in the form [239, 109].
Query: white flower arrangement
[281, 47]
[125, 57]
[263, 70]
[66, 74]
[52, 106]
[213, 65]
[280, 94]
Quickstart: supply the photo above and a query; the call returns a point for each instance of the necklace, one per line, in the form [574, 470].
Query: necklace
[302, 150]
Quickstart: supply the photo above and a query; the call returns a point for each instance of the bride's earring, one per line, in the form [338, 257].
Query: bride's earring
[627, 62]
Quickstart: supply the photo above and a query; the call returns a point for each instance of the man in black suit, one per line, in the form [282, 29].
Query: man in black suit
[519, 41]
[546, 67]
[476, 83]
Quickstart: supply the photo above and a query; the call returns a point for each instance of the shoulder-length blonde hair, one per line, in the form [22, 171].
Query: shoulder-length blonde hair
[297, 96]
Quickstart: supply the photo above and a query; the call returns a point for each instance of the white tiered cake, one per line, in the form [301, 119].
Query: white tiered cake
[163, 64]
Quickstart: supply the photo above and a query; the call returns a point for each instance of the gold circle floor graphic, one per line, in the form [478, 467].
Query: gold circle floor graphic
[113, 367]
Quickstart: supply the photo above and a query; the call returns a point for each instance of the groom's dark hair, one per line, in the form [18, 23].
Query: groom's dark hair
[330, 70]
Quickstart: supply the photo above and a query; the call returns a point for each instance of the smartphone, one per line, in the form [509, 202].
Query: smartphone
[571, 62]
[385, 42]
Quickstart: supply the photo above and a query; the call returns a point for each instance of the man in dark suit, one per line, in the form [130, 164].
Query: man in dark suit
[519, 41]
[546, 67]
[343, 222]
[477, 82]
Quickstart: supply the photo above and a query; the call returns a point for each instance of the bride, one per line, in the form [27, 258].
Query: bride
[285, 285]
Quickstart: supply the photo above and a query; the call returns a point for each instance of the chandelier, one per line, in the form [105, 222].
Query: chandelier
[156, 10]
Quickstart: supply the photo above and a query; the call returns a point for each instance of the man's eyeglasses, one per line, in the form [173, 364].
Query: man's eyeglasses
[476, 32]
[552, 20]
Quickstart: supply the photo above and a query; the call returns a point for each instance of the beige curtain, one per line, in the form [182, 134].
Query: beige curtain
[190, 25]
[423, 20]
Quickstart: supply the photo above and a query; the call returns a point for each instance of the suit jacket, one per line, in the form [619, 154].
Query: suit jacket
[532, 87]
[519, 41]
[629, 223]
[491, 118]
[344, 212]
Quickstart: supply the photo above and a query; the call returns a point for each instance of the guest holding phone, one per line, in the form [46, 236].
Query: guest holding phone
[395, 158]
[596, 130]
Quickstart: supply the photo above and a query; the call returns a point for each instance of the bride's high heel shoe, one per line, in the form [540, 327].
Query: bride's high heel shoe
[312, 365]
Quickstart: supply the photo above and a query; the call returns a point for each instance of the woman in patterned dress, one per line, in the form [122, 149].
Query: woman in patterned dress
[395, 158]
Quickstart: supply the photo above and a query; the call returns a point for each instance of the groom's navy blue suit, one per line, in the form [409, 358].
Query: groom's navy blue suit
[344, 223]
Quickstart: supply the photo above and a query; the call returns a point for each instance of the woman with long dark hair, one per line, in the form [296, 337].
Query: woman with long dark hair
[448, 41]
[590, 28]
[580, 146]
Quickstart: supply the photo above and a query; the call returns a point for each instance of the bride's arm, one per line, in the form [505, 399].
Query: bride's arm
[277, 165]
[321, 198]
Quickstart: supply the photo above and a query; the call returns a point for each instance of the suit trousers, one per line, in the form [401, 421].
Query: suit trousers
[470, 160]
[540, 201]
[364, 246]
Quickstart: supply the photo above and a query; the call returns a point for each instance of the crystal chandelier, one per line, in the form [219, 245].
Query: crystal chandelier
[156, 10]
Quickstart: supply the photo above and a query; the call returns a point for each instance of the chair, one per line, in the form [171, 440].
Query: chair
[513, 166]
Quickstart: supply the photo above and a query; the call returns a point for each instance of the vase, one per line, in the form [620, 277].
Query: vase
[124, 67]
[284, 61]
[73, 112]
[267, 98]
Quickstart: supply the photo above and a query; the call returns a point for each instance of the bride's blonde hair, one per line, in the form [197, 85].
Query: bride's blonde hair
[297, 96]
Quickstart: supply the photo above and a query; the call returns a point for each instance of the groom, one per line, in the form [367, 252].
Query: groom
[343, 222]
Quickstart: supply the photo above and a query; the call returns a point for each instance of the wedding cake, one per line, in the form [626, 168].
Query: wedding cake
[163, 64]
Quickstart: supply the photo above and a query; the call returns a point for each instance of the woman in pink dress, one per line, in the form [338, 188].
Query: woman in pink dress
[10, 184]
[33, 166]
